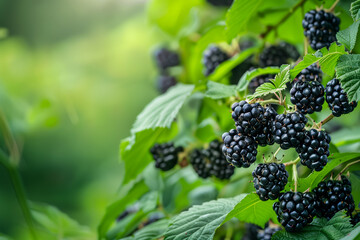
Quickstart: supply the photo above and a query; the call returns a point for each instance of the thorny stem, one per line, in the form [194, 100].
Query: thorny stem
[295, 177]
[282, 20]
[346, 167]
[292, 162]
[331, 9]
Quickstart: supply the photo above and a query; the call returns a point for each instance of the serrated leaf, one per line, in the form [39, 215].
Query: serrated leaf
[355, 10]
[162, 111]
[346, 136]
[150, 232]
[249, 75]
[320, 229]
[218, 90]
[353, 235]
[307, 61]
[252, 210]
[201, 221]
[348, 36]
[238, 16]
[348, 72]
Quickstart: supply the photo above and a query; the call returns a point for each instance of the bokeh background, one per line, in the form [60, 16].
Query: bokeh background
[74, 74]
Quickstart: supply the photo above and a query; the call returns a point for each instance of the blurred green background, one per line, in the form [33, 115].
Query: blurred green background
[73, 76]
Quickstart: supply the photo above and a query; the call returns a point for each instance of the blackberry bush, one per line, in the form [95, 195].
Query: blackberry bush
[334, 196]
[308, 96]
[165, 155]
[337, 99]
[320, 28]
[239, 150]
[270, 180]
[314, 149]
[295, 210]
[166, 58]
[213, 57]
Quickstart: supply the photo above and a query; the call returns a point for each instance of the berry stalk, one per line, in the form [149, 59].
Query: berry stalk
[295, 177]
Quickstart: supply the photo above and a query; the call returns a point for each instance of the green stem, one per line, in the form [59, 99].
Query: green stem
[270, 101]
[331, 9]
[295, 177]
[327, 119]
[292, 162]
[19, 191]
[274, 156]
[346, 167]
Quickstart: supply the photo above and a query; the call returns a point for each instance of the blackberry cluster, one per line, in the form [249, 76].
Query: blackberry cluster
[269, 180]
[265, 137]
[164, 82]
[224, 3]
[276, 55]
[314, 149]
[311, 73]
[355, 219]
[259, 80]
[165, 155]
[295, 210]
[308, 96]
[240, 69]
[334, 196]
[320, 28]
[239, 150]
[267, 233]
[211, 162]
[288, 129]
[213, 56]
[166, 58]
[337, 99]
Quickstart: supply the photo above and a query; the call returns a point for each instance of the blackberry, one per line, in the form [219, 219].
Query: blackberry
[311, 73]
[259, 80]
[276, 55]
[308, 96]
[265, 136]
[239, 70]
[165, 155]
[165, 58]
[270, 180]
[239, 150]
[246, 43]
[225, 3]
[314, 149]
[251, 231]
[288, 129]
[334, 196]
[213, 57]
[153, 218]
[295, 210]
[200, 164]
[355, 219]
[267, 233]
[337, 99]
[164, 82]
[320, 28]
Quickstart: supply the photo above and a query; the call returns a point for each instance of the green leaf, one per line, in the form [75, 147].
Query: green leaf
[249, 75]
[57, 223]
[252, 210]
[348, 72]
[238, 16]
[151, 232]
[355, 184]
[276, 85]
[355, 10]
[353, 235]
[162, 111]
[320, 229]
[348, 36]
[201, 221]
[218, 90]
[346, 136]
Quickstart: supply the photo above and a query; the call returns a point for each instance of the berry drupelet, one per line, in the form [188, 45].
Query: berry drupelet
[213, 56]
[165, 155]
[276, 55]
[267, 233]
[311, 73]
[201, 165]
[337, 99]
[166, 58]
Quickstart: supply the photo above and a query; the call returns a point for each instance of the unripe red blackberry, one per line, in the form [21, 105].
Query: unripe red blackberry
[164, 82]
[307, 96]
[314, 149]
[166, 58]
[320, 28]
[269, 180]
[213, 56]
[295, 210]
[239, 150]
[289, 129]
[334, 196]
[337, 99]
[165, 155]
[311, 73]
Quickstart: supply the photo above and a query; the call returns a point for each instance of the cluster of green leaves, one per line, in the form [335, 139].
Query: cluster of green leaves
[197, 110]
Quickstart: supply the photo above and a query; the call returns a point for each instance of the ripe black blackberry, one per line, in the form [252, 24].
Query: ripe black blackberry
[311, 73]
[320, 28]
[251, 231]
[213, 56]
[334, 196]
[288, 129]
[165, 58]
[355, 219]
[308, 96]
[259, 80]
[164, 82]
[165, 155]
[295, 210]
[267, 233]
[265, 136]
[269, 180]
[314, 149]
[225, 3]
[239, 150]
[337, 99]
[239, 70]
[276, 55]
[201, 166]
